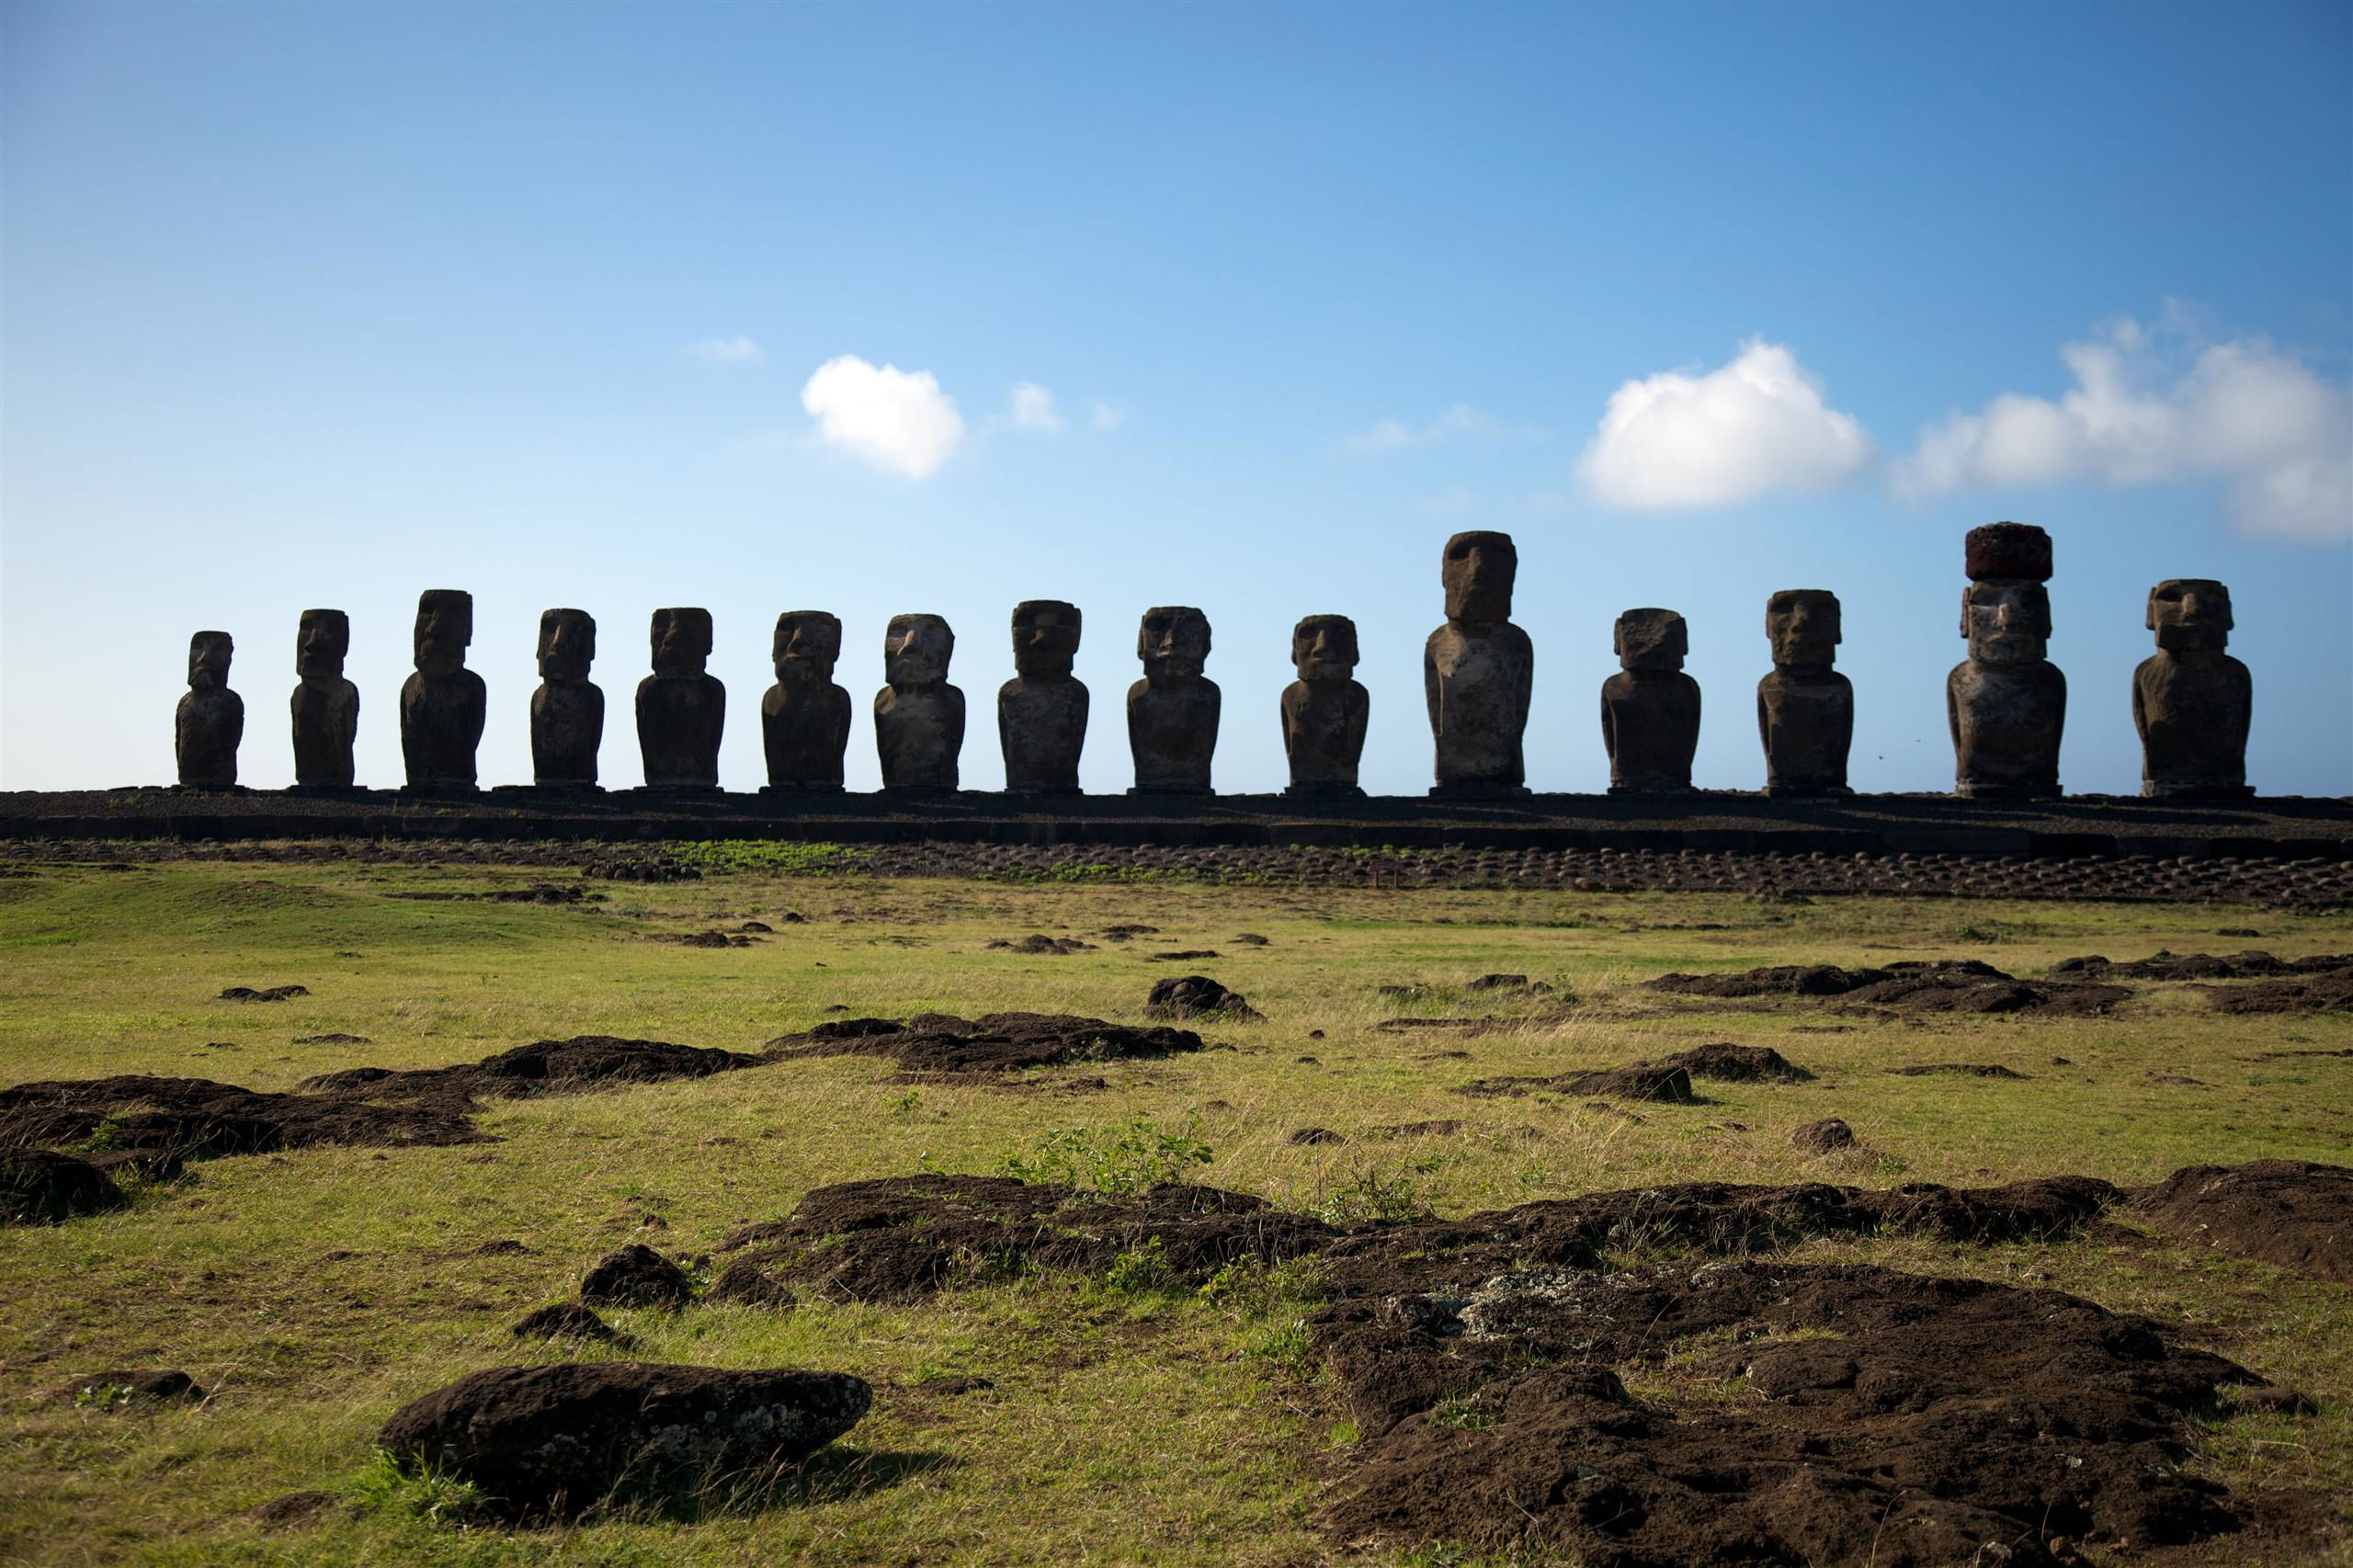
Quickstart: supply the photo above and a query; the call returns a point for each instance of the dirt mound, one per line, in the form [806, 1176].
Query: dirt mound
[1778, 979]
[901, 1238]
[639, 869]
[1199, 996]
[2291, 1212]
[1967, 1069]
[998, 1043]
[1128, 933]
[537, 893]
[1824, 1137]
[635, 1277]
[197, 1118]
[1184, 955]
[2251, 964]
[1444, 1128]
[1635, 1083]
[2317, 994]
[582, 1063]
[1731, 1064]
[702, 938]
[568, 1321]
[1788, 1414]
[145, 1386]
[332, 1039]
[1042, 944]
[1508, 984]
[42, 1186]
[272, 994]
[1309, 1136]
[1941, 985]
[555, 1440]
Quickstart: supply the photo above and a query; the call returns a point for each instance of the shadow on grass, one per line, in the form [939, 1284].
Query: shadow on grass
[836, 1474]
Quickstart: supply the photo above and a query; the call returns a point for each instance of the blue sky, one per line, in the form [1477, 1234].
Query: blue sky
[329, 304]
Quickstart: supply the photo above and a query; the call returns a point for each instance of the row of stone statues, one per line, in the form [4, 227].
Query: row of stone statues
[2005, 703]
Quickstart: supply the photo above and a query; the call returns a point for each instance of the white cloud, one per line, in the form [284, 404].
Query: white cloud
[1105, 417]
[1758, 423]
[1033, 409]
[898, 421]
[1392, 435]
[2149, 405]
[736, 350]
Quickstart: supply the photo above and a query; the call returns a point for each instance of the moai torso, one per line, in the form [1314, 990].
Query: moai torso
[804, 717]
[1325, 709]
[919, 718]
[1805, 710]
[1478, 671]
[681, 710]
[210, 721]
[2006, 703]
[567, 710]
[2192, 703]
[443, 703]
[325, 707]
[1650, 709]
[1042, 711]
[1172, 712]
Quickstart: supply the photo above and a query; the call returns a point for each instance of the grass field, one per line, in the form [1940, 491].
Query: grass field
[317, 1291]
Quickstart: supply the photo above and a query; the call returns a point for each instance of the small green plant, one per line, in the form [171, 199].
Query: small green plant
[1111, 1162]
[102, 1396]
[1285, 1345]
[1462, 1416]
[775, 856]
[1343, 1434]
[1370, 1193]
[1137, 1271]
[908, 1103]
[1251, 1285]
[103, 1138]
[425, 1490]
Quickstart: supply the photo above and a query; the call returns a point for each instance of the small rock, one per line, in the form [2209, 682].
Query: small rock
[1823, 1137]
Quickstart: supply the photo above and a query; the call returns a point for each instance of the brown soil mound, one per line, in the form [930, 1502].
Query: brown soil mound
[1736, 1065]
[1635, 1083]
[1942, 986]
[1967, 1069]
[1041, 944]
[998, 1043]
[1811, 1414]
[1824, 1137]
[702, 938]
[2251, 964]
[1184, 955]
[1199, 996]
[2291, 1212]
[635, 1277]
[551, 1066]
[197, 1119]
[901, 1238]
[2318, 993]
[272, 994]
[144, 1386]
[569, 1321]
[42, 1186]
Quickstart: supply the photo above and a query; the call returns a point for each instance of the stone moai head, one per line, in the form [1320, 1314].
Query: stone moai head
[321, 642]
[1480, 568]
[916, 650]
[444, 626]
[1803, 626]
[2190, 612]
[1173, 640]
[807, 644]
[567, 643]
[1323, 647]
[208, 660]
[681, 640]
[1045, 638]
[2006, 613]
[1651, 640]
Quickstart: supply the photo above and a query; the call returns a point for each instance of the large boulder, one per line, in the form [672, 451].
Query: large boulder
[554, 1440]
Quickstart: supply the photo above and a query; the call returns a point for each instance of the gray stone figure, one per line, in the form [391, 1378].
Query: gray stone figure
[325, 707]
[918, 718]
[1173, 710]
[1477, 671]
[1805, 710]
[210, 719]
[681, 710]
[1650, 709]
[804, 717]
[567, 711]
[2006, 703]
[1325, 710]
[443, 703]
[2191, 701]
[1042, 711]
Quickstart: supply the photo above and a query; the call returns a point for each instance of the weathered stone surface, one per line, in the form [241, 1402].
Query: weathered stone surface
[2191, 701]
[804, 717]
[325, 707]
[557, 1439]
[1325, 709]
[2006, 703]
[1650, 709]
[1042, 711]
[1477, 672]
[918, 718]
[681, 710]
[1172, 712]
[1805, 710]
[567, 711]
[211, 719]
[442, 705]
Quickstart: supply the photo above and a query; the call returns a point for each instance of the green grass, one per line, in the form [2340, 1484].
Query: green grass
[1129, 1420]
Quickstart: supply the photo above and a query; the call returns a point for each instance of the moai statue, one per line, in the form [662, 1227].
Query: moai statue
[567, 711]
[680, 710]
[1650, 709]
[1172, 712]
[325, 706]
[1042, 711]
[804, 717]
[918, 718]
[1477, 670]
[1325, 710]
[210, 719]
[1805, 710]
[442, 704]
[2191, 701]
[2005, 702]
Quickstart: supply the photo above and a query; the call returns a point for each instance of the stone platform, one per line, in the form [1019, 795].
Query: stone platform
[2076, 826]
